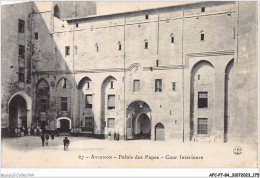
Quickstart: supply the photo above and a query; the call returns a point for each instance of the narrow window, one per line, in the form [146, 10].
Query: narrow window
[81, 123]
[56, 11]
[202, 37]
[172, 39]
[136, 85]
[111, 123]
[173, 86]
[77, 25]
[202, 99]
[21, 26]
[43, 103]
[64, 83]
[21, 51]
[21, 74]
[36, 35]
[119, 46]
[199, 77]
[64, 104]
[88, 85]
[67, 50]
[146, 16]
[112, 85]
[111, 102]
[88, 101]
[89, 122]
[157, 63]
[146, 44]
[203, 9]
[203, 126]
[158, 85]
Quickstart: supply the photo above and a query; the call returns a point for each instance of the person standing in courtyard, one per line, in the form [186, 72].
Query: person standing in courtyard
[43, 139]
[114, 135]
[29, 131]
[47, 139]
[117, 136]
[66, 143]
[52, 139]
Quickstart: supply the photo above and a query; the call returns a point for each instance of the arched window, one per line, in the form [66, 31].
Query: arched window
[56, 11]
[145, 44]
[172, 38]
[97, 48]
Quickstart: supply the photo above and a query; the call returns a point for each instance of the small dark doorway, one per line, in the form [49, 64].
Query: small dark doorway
[159, 132]
[64, 125]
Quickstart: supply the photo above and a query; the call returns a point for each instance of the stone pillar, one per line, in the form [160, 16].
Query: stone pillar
[97, 109]
[219, 105]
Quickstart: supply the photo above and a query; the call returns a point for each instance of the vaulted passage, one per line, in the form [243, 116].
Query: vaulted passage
[17, 112]
[138, 125]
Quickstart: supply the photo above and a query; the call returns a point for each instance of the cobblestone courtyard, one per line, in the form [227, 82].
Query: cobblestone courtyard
[87, 152]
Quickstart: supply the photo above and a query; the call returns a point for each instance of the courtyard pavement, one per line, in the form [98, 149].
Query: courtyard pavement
[27, 152]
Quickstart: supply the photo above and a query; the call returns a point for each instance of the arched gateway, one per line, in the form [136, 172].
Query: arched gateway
[138, 124]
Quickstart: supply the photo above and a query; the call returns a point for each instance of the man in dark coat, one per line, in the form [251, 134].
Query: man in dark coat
[114, 135]
[66, 143]
[43, 139]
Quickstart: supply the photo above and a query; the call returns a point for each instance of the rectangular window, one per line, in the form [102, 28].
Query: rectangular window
[202, 37]
[43, 103]
[173, 86]
[64, 104]
[146, 44]
[88, 101]
[89, 122]
[111, 102]
[87, 85]
[158, 85]
[202, 99]
[146, 16]
[157, 63]
[67, 50]
[112, 85]
[203, 9]
[111, 123]
[77, 25]
[21, 26]
[203, 126]
[36, 35]
[21, 74]
[21, 51]
[136, 85]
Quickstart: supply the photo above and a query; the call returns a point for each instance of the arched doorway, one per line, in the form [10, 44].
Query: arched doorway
[64, 124]
[143, 127]
[138, 123]
[20, 106]
[159, 132]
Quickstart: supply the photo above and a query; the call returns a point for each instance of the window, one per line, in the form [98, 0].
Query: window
[67, 50]
[173, 86]
[172, 39]
[111, 123]
[203, 126]
[89, 122]
[202, 99]
[43, 103]
[146, 16]
[21, 26]
[77, 25]
[158, 85]
[88, 101]
[64, 85]
[111, 102]
[64, 104]
[88, 85]
[157, 63]
[203, 9]
[56, 11]
[146, 44]
[199, 77]
[136, 85]
[112, 85]
[36, 35]
[202, 37]
[97, 49]
[119, 46]
[21, 74]
[21, 51]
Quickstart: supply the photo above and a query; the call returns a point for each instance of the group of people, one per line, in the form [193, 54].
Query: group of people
[21, 131]
[116, 136]
[45, 140]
